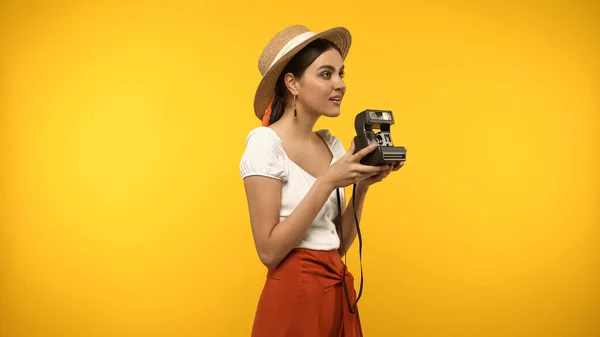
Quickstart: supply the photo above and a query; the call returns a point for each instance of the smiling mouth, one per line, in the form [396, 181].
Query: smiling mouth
[336, 100]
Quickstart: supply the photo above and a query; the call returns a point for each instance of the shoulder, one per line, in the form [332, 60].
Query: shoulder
[334, 142]
[263, 155]
[262, 133]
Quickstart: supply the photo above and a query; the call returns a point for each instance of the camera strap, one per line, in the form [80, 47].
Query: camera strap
[351, 307]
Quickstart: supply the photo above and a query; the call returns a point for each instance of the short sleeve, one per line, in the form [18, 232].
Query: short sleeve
[264, 155]
[338, 147]
[334, 143]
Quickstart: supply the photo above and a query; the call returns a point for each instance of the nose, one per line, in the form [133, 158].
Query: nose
[339, 84]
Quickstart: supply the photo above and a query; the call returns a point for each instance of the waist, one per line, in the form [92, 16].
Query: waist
[319, 263]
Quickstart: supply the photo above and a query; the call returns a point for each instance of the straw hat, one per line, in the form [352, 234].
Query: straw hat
[281, 48]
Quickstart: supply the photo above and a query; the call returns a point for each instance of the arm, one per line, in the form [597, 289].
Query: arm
[274, 239]
[348, 222]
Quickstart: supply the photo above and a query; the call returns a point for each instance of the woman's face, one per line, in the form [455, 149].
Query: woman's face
[321, 88]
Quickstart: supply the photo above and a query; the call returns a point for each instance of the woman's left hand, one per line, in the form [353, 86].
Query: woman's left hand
[379, 177]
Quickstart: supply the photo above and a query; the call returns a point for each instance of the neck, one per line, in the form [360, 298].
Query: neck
[299, 127]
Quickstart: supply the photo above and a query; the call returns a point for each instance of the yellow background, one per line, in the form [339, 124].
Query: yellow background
[122, 212]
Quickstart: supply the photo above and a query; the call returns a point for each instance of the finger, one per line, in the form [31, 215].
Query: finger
[351, 149]
[368, 169]
[360, 154]
[384, 174]
[398, 166]
[368, 176]
[372, 177]
[380, 176]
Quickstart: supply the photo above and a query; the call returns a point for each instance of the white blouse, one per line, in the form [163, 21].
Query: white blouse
[265, 156]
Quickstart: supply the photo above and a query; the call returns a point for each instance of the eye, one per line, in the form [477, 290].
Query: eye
[326, 74]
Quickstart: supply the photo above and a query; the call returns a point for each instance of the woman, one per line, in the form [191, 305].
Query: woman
[293, 177]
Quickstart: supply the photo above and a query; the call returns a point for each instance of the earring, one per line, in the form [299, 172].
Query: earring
[295, 113]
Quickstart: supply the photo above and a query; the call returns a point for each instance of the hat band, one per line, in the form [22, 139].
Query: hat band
[291, 44]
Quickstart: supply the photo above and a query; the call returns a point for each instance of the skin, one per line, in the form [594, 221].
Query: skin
[273, 239]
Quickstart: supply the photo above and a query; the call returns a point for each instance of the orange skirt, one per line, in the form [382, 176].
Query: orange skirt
[304, 297]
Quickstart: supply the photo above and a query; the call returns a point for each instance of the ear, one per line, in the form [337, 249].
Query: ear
[291, 83]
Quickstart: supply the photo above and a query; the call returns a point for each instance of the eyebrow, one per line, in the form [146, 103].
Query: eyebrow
[330, 67]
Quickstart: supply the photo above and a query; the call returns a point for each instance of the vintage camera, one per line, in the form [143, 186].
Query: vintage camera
[385, 153]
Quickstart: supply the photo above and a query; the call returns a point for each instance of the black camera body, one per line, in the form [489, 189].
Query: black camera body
[385, 153]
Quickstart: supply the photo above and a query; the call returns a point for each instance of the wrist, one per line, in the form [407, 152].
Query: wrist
[325, 183]
[362, 188]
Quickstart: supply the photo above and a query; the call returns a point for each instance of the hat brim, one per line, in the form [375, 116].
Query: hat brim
[265, 91]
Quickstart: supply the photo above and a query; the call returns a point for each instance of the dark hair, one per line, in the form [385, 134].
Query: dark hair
[297, 65]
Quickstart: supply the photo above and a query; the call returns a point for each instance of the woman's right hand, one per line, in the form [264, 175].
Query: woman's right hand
[348, 170]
